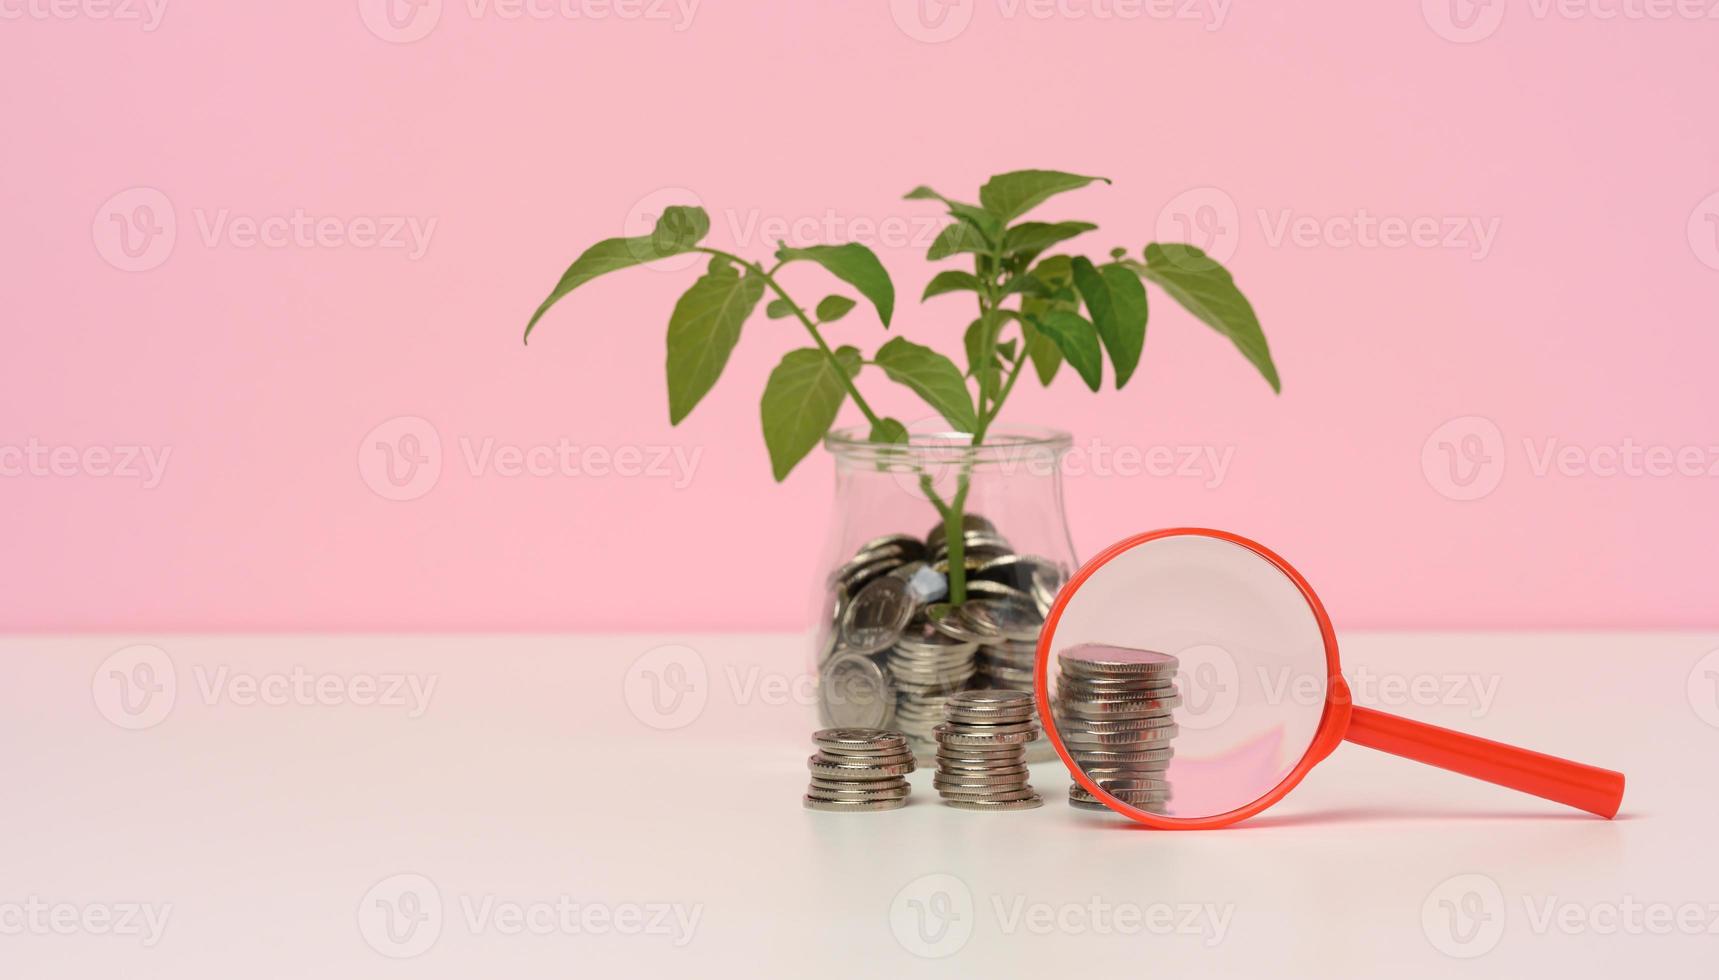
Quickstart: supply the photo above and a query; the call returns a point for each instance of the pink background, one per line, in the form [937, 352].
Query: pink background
[1590, 319]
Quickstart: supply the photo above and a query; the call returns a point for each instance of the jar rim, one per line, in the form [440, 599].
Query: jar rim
[854, 442]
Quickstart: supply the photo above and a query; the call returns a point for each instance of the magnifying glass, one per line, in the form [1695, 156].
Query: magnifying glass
[1189, 679]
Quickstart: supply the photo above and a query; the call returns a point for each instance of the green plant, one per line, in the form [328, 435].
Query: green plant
[1045, 325]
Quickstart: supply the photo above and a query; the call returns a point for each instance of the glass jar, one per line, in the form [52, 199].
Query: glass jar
[911, 611]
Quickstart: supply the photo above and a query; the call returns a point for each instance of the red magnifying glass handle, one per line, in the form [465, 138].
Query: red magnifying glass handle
[1587, 788]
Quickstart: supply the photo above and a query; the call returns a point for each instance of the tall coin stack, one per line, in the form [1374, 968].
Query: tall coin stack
[858, 769]
[1114, 710]
[981, 751]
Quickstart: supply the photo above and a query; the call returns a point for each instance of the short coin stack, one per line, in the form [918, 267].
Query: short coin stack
[981, 751]
[1114, 710]
[858, 769]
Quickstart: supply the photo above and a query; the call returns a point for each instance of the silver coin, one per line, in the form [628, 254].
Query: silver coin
[878, 614]
[1001, 768]
[1150, 735]
[1103, 758]
[994, 767]
[902, 758]
[1010, 618]
[845, 771]
[856, 806]
[857, 737]
[1021, 572]
[1141, 784]
[967, 758]
[860, 792]
[977, 783]
[855, 574]
[992, 751]
[944, 617]
[1104, 660]
[1024, 803]
[965, 738]
[969, 562]
[853, 691]
[1114, 710]
[892, 545]
[985, 698]
[1127, 795]
[1108, 727]
[923, 638]
[961, 729]
[982, 791]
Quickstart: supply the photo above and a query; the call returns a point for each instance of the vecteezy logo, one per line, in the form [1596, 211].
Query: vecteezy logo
[1464, 916]
[135, 229]
[401, 916]
[400, 21]
[1204, 217]
[1704, 231]
[1704, 688]
[932, 21]
[401, 459]
[135, 688]
[1463, 459]
[1210, 684]
[1463, 21]
[932, 916]
[667, 687]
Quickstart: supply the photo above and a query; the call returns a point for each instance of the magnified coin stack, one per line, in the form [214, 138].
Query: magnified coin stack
[1113, 709]
[858, 769]
[896, 652]
[981, 751]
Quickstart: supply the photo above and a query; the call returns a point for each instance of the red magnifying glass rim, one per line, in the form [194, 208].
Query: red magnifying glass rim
[1332, 723]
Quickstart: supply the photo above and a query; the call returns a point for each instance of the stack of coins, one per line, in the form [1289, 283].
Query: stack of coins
[926, 665]
[1114, 708]
[981, 751]
[858, 769]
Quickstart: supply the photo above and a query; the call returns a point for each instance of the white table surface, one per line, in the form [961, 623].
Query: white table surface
[269, 835]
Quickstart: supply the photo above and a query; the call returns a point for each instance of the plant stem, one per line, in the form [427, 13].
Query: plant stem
[757, 268]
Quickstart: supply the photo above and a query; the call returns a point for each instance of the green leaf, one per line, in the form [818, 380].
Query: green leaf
[833, 308]
[855, 265]
[779, 308]
[981, 220]
[702, 331]
[954, 240]
[1041, 350]
[677, 231]
[1055, 291]
[1117, 303]
[1010, 195]
[1033, 237]
[949, 281]
[1206, 289]
[800, 403]
[932, 376]
[1077, 338]
[888, 430]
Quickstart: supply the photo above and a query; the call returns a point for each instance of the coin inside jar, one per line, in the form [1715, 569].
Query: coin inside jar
[855, 691]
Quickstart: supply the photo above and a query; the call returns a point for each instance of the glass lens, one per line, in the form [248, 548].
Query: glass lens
[1187, 677]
